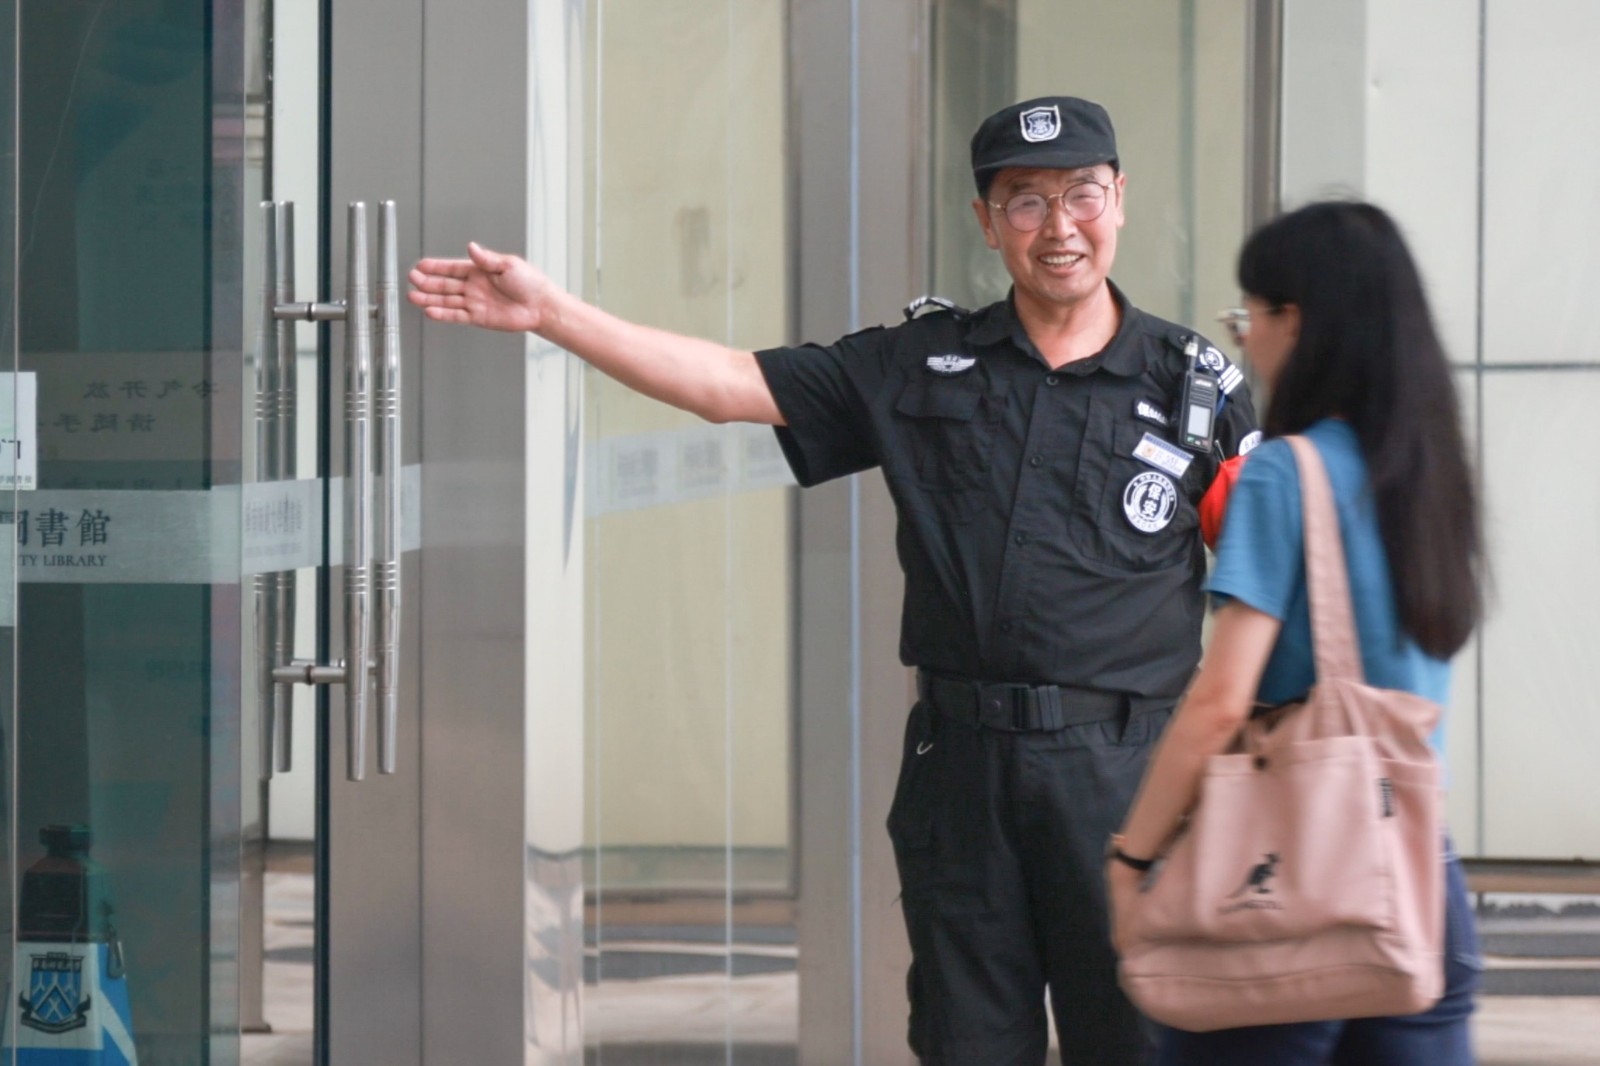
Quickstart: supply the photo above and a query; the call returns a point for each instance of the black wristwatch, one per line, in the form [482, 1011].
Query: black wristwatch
[1114, 851]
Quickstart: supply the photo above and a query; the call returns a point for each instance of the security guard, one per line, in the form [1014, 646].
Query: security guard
[1046, 455]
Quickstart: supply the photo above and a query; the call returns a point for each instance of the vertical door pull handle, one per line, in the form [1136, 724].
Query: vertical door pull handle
[276, 387]
[369, 670]
[357, 493]
[386, 489]
[288, 358]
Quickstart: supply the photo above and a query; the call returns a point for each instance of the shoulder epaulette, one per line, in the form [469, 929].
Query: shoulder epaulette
[938, 301]
[1229, 376]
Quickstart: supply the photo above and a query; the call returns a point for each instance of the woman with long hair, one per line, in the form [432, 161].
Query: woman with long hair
[1339, 330]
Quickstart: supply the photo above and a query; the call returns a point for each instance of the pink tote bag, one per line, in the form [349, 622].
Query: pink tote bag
[1308, 881]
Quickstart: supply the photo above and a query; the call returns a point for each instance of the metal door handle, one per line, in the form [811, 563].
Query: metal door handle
[386, 489]
[276, 390]
[357, 492]
[371, 494]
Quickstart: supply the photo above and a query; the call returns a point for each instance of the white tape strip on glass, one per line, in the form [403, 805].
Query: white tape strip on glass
[202, 537]
[627, 473]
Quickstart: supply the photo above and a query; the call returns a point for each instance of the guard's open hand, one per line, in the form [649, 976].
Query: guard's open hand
[489, 289]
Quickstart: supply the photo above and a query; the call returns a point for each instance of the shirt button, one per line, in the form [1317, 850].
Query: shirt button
[1037, 460]
[1005, 627]
[1051, 379]
[1021, 538]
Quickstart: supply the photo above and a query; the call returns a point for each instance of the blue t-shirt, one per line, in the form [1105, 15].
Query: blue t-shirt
[1261, 562]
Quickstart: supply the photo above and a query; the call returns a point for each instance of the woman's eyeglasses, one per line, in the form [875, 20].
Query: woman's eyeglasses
[1237, 320]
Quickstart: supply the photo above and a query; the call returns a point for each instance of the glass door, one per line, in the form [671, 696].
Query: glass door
[201, 474]
[124, 382]
[286, 565]
[326, 829]
[14, 461]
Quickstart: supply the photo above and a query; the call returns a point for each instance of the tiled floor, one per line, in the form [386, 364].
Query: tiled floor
[687, 1019]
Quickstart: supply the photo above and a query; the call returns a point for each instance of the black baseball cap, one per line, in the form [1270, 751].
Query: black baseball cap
[1061, 132]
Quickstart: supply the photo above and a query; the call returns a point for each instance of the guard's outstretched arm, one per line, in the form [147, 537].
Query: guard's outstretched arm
[499, 291]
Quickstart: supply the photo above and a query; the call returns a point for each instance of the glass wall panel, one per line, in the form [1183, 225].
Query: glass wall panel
[1173, 77]
[128, 289]
[691, 872]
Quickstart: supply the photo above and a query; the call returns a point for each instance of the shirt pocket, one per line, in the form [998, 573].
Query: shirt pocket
[949, 431]
[1145, 517]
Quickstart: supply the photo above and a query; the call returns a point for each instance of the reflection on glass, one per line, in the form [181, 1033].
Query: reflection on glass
[691, 948]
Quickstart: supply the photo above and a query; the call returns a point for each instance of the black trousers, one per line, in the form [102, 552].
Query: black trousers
[999, 837]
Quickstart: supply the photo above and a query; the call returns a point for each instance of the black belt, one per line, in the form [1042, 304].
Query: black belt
[1016, 708]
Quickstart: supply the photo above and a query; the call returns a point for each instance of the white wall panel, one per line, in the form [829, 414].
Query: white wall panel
[1541, 258]
[1421, 99]
[1541, 691]
[1464, 709]
[1323, 137]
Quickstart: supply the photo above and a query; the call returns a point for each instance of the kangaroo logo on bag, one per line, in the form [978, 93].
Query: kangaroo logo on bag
[1255, 884]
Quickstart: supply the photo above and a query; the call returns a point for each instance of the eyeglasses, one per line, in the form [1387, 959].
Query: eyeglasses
[1085, 202]
[1237, 320]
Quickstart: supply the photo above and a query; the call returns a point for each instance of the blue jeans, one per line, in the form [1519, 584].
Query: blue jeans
[1437, 1037]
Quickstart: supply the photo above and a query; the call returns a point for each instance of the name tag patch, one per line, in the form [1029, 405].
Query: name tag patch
[1151, 413]
[1248, 444]
[1150, 501]
[950, 365]
[1163, 455]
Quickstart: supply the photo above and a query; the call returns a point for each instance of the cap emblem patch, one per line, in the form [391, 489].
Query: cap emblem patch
[1041, 124]
[950, 365]
[1150, 501]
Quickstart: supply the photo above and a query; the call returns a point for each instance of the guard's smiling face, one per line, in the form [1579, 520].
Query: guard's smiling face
[1064, 261]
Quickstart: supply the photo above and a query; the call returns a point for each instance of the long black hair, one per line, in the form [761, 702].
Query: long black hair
[1368, 352]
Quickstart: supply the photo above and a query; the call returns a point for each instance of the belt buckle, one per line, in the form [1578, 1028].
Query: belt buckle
[1023, 703]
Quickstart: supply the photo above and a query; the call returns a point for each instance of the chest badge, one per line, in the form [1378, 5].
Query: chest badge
[1163, 455]
[951, 365]
[1150, 501]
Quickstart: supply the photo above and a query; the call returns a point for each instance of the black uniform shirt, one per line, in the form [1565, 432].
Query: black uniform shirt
[1015, 489]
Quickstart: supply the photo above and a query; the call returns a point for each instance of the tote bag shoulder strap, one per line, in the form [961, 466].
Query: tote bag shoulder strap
[1333, 631]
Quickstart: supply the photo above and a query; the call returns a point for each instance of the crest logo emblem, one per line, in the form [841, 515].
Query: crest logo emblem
[55, 1002]
[1041, 124]
[950, 365]
[1150, 501]
[1213, 360]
